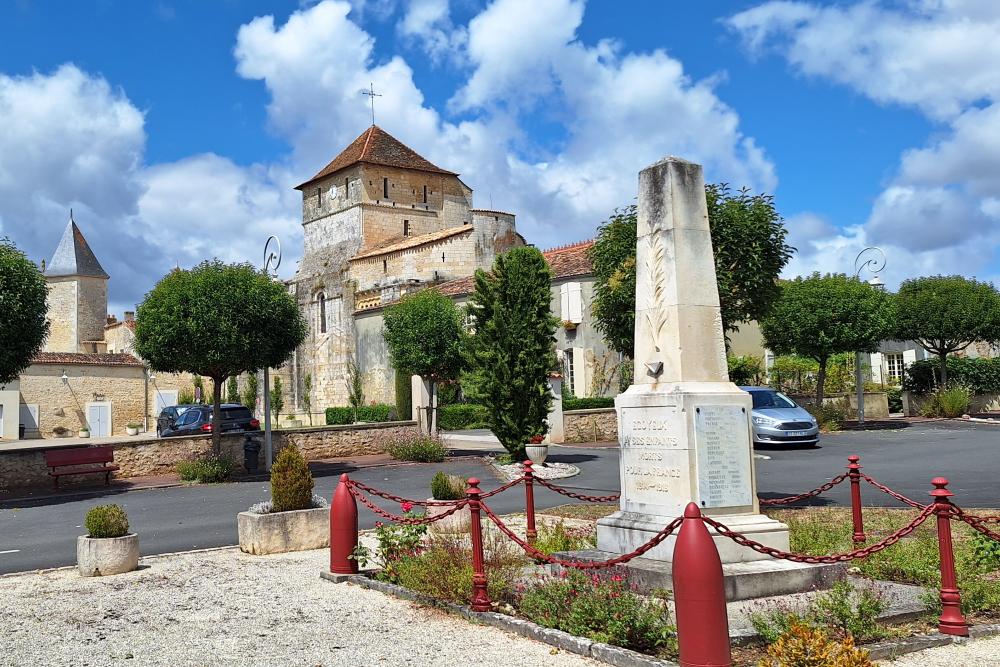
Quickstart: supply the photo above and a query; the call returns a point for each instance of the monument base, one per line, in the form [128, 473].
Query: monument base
[743, 581]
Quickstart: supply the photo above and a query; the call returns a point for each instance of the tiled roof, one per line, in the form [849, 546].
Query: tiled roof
[376, 146]
[73, 256]
[128, 323]
[565, 262]
[404, 243]
[86, 358]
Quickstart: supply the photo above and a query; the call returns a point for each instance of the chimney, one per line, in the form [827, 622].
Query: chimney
[129, 315]
[112, 319]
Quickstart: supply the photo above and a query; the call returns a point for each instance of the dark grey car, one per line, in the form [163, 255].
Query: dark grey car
[197, 419]
[778, 420]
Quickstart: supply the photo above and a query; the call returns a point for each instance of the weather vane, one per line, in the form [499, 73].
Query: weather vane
[372, 95]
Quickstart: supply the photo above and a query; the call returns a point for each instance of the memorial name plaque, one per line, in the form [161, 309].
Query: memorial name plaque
[722, 435]
[654, 464]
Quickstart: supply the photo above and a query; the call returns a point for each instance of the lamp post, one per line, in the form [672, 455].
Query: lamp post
[874, 262]
[272, 260]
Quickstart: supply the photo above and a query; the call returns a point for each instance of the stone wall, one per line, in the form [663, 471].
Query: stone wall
[62, 313]
[143, 456]
[876, 403]
[913, 403]
[591, 425]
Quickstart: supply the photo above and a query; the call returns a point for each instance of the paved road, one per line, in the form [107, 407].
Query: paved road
[177, 519]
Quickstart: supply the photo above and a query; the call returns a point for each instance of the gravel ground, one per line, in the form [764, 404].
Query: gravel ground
[547, 471]
[223, 607]
[976, 653]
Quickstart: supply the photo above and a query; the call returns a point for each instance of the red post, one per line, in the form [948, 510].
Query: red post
[951, 622]
[343, 529]
[854, 473]
[480, 596]
[529, 502]
[699, 596]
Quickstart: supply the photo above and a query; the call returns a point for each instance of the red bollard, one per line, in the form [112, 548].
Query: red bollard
[699, 596]
[529, 502]
[854, 473]
[343, 529]
[951, 622]
[480, 597]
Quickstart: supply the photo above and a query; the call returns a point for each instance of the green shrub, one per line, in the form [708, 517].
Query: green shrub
[805, 646]
[600, 607]
[980, 374]
[592, 403]
[404, 396]
[206, 470]
[422, 449]
[985, 551]
[850, 612]
[950, 401]
[745, 369]
[379, 412]
[895, 397]
[773, 623]
[557, 537]
[447, 487]
[462, 416]
[829, 416]
[291, 481]
[106, 521]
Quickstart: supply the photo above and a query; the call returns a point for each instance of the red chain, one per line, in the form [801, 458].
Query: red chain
[406, 520]
[577, 496]
[835, 558]
[580, 564]
[398, 499]
[501, 489]
[976, 522]
[788, 500]
[885, 489]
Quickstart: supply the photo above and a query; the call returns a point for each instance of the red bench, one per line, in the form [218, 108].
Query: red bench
[83, 461]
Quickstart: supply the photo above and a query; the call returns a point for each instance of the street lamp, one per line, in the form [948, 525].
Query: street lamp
[874, 262]
[272, 260]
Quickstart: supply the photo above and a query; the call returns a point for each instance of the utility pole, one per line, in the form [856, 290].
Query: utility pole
[874, 263]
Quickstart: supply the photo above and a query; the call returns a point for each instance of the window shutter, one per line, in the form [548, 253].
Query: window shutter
[564, 302]
[909, 356]
[575, 303]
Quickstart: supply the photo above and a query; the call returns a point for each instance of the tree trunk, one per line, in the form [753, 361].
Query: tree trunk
[820, 381]
[432, 420]
[217, 417]
[944, 367]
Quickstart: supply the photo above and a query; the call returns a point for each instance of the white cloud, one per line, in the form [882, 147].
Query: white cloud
[939, 212]
[428, 22]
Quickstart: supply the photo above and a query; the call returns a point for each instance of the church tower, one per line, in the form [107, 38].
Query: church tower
[78, 295]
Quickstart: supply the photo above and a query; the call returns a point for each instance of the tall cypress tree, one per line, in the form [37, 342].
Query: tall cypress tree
[513, 350]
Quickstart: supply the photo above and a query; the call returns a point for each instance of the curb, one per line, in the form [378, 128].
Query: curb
[894, 648]
[606, 653]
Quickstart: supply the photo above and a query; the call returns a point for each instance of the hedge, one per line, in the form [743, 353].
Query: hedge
[593, 403]
[380, 412]
[980, 374]
[461, 416]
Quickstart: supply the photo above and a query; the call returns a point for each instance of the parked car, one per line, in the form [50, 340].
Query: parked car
[169, 415]
[778, 420]
[197, 420]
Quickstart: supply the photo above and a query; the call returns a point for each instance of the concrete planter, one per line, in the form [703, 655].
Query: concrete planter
[279, 532]
[537, 453]
[292, 423]
[458, 522]
[132, 430]
[83, 433]
[102, 556]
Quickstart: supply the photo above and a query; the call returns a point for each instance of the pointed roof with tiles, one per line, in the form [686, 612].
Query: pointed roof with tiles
[73, 256]
[376, 146]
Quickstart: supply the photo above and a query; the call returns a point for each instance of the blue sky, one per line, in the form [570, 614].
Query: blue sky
[176, 129]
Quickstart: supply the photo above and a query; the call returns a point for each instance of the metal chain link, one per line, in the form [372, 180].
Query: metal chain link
[405, 520]
[788, 500]
[500, 489]
[579, 564]
[399, 499]
[577, 496]
[885, 489]
[813, 560]
[976, 522]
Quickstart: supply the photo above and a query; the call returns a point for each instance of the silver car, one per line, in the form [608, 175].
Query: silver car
[778, 420]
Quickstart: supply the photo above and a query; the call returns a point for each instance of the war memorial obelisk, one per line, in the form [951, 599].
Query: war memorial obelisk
[683, 427]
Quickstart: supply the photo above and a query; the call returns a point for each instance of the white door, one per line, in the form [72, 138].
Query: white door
[164, 398]
[99, 419]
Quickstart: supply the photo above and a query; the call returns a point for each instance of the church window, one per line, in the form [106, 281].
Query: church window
[406, 227]
[385, 188]
[425, 194]
[385, 266]
[321, 302]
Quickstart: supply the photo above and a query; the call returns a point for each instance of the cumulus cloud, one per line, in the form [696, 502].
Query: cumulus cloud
[939, 210]
[428, 22]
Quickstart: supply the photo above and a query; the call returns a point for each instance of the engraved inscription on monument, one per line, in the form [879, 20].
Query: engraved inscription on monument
[723, 441]
[654, 463]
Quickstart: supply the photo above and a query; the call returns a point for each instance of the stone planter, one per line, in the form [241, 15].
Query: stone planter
[537, 453]
[279, 532]
[132, 430]
[102, 556]
[84, 433]
[293, 423]
[458, 522]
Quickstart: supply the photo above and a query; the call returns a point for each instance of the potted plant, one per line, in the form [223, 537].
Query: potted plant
[537, 451]
[107, 548]
[292, 422]
[448, 487]
[60, 431]
[132, 428]
[85, 432]
[294, 519]
[569, 325]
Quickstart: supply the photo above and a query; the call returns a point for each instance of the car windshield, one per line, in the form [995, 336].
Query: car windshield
[236, 413]
[771, 400]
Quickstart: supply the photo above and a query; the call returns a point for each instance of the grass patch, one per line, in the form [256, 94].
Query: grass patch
[422, 449]
[589, 511]
[205, 471]
[559, 537]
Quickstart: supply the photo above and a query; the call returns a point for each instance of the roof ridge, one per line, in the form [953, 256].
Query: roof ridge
[569, 246]
[368, 138]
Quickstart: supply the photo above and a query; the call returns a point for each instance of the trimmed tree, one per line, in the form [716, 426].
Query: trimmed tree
[232, 390]
[251, 391]
[424, 334]
[820, 316]
[947, 314]
[277, 397]
[513, 349]
[217, 320]
[23, 327]
[748, 239]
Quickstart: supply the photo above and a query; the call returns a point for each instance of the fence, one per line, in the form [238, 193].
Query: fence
[700, 603]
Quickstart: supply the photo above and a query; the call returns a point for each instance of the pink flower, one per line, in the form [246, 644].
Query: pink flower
[406, 507]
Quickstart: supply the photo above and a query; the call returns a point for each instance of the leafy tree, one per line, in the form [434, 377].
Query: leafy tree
[355, 388]
[232, 390]
[820, 316]
[217, 320]
[512, 351]
[199, 389]
[745, 369]
[946, 314]
[277, 397]
[23, 327]
[307, 387]
[748, 239]
[251, 391]
[424, 334]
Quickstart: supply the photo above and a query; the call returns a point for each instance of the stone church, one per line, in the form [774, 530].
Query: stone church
[379, 221]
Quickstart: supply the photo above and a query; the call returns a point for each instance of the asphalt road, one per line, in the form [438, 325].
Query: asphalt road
[43, 534]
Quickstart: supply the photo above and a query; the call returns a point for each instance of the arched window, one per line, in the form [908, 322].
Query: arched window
[321, 302]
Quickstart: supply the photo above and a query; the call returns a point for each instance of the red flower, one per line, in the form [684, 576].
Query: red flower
[406, 507]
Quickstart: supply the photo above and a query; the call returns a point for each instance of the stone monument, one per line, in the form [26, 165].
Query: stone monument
[683, 427]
